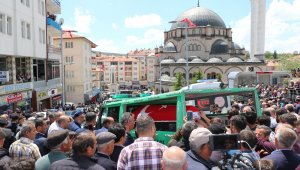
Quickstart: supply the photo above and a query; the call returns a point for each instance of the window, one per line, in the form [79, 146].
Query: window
[68, 44]
[40, 35]
[23, 29]
[28, 3]
[2, 23]
[38, 70]
[28, 31]
[21, 75]
[9, 25]
[43, 8]
[53, 69]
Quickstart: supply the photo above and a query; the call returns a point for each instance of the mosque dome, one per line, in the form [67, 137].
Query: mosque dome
[236, 46]
[234, 60]
[197, 60]
[214, 60]
[167, 61]
[201, 17]
[219, 47]
[181, 60]
[169, 47]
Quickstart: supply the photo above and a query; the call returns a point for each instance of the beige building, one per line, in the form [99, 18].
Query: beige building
[77, 67]
[135, 70]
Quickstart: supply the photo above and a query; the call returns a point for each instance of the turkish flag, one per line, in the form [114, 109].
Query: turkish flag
[157, 55]
[161, 112]
[189, 22]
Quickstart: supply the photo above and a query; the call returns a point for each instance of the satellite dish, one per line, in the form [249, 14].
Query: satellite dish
[61, 21]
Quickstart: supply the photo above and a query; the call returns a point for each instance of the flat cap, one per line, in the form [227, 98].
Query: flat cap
[56, 137]
[104, 137]
[77, 113]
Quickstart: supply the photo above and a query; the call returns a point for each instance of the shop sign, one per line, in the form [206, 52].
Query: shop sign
[42, 95]
[4, 76]
[12, 98]
[52, 92]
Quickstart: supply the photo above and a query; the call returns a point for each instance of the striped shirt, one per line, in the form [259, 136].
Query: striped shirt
[143, 154]
[24, 148]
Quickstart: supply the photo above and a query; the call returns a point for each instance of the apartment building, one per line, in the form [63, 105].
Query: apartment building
[147, 60]
[29, 71]
[120, 71]
[77, 68]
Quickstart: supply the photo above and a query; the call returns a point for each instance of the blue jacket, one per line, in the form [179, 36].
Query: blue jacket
[76, 127]
[284, 159]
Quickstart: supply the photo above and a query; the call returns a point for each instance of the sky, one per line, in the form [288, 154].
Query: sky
[119, 26]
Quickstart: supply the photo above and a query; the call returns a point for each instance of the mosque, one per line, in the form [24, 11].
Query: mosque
[208, 46]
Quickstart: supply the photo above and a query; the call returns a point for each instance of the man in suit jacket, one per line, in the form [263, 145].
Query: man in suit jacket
[284, 157]
[105, 147]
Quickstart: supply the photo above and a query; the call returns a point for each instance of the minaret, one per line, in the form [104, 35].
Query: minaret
[258, 22]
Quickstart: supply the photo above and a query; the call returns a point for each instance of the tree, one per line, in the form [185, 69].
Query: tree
[268, 55]
[197, 76]
[219, 77]
[275, 55]
[178, 83]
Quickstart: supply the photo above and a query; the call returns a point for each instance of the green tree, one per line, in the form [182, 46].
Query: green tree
[275, 56]
[219, 77]
[197, 76]
[178, 83]
[289, 64]
[268, 55]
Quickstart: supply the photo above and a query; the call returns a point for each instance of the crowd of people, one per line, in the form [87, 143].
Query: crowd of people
[57, 141]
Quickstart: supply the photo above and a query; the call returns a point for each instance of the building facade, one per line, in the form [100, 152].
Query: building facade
[207, 47]
[77, 67]
[132, 71]
[24, 57]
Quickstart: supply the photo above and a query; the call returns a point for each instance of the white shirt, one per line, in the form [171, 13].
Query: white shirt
[53, 127]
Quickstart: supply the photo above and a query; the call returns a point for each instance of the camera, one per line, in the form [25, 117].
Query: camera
[224, 143]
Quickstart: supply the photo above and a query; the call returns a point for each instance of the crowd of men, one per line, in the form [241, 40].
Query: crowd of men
[57, 141]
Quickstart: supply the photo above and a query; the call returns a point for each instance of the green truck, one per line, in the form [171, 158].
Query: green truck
[168, 109]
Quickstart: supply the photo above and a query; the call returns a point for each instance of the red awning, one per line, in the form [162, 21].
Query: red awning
[56, 98]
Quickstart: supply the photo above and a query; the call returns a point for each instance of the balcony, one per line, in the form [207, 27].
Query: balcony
[5, 89]
[54, 52]
[53, 6]
[54, 83]
[39, 84]
[53, 27]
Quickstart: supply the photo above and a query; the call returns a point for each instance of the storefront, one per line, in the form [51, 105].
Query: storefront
[21, 100]
[15, 96]
[46, 98]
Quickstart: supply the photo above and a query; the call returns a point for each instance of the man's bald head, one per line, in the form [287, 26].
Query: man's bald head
[174, 158]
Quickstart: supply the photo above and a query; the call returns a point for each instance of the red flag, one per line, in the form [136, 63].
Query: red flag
[189, 22]
[157, 55]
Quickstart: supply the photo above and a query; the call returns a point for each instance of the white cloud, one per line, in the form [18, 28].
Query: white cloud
[114, 26]
[83, 20]
[105, 45]
[142, 21]
[151, 36]
[282, 27]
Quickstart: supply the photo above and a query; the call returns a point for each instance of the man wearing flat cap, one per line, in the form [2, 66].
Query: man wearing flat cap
[79, 118]
[60, 143]
[105, 147]
[199, 155]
